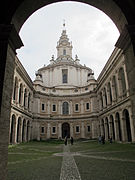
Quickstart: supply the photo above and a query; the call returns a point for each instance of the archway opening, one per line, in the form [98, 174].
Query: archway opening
[65, 130]
[119, 126]
[128, 127]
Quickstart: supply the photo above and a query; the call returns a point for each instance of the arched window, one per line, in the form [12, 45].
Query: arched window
[64, 75]
[65, 108]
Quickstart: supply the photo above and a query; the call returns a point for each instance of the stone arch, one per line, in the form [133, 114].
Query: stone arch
[13, 129]
[21, 15]
[112, 128]
[118, 127]
[126, 119]
[19, 130]
[122, 83]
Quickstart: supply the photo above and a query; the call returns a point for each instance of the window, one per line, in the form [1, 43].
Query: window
[77, 129]
[87, 106]
[64, 75]
[42, 129]
[43, 106]
[65, 108]
[53, 129]
[64, 52]
[76, 107]
[88, 128]
[54, 107]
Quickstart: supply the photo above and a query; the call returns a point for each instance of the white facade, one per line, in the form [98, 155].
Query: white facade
[65, 99]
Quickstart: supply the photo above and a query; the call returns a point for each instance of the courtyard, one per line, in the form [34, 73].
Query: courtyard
[84, 160]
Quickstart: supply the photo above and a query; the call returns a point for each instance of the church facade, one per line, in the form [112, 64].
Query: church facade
[66, 100]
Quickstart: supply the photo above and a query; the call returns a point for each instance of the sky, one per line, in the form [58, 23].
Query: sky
[93, 36]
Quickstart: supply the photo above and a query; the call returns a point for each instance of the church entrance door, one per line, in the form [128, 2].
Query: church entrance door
[65, 130]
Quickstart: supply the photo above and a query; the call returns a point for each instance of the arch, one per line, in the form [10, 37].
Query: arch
[127, 123]
[13, 129]
[117, 116]
[65, 130]
[112, 129]
[65, 108]
[20, 16]
[18, 134]
[102, 128]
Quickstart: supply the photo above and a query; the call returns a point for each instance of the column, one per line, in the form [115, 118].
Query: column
[82, 130]
[25, 132]
[110, 129]
[71, 130]
[116, 129]
[59, 131]
[82, 107]
[108, 96]
[113, 92]
[48, 130]
[104, 101]
[132, 124]
[126, 80]
[106, 131]
[20, 132]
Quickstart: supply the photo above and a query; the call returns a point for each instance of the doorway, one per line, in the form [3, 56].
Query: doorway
[65, 130]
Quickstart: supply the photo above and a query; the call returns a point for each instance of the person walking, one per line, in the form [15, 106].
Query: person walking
[65, 140]
[71, 140]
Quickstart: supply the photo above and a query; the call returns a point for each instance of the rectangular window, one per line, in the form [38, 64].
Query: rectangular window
[54, 107]
[53, 129]
[88, 128]
[76, 107]
[87, 106]
[43, 106]
[42, 129]
[77, 129]
[64, 75]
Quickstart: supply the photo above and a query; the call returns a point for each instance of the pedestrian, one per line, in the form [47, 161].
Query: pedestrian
[110, 140]
[71, 140]
[99, 139]
[103, 139]
[65, 140]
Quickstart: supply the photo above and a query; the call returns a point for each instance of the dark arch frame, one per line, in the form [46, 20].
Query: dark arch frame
[18, 13]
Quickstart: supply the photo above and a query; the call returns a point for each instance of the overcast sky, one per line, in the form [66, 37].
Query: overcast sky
[93, 35]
